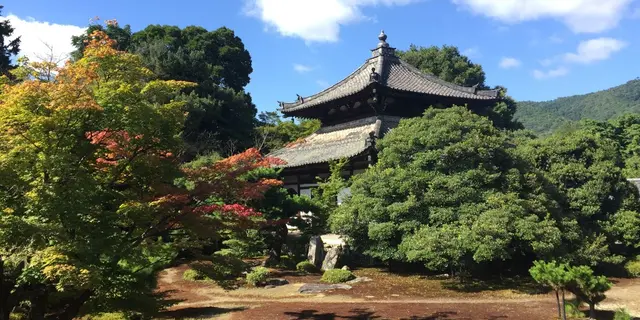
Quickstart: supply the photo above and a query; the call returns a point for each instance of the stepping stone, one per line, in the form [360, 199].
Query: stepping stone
[319, 287]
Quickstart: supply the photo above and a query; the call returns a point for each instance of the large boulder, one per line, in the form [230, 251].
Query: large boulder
[332, 258]
[316, 251]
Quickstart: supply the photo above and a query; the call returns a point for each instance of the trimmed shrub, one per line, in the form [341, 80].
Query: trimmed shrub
[572, 309]
[622, 314]
[257, 276]
[306, 266]
[106, 316]
[17, 316]
[337, 276]
[633, 268]
[194, 275]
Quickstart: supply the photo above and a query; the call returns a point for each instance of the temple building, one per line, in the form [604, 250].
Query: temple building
[360, 109]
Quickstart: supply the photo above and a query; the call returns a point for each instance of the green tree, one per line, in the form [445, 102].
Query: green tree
[599, 206]
[90, 210]
[555, 276]
[221, 114]
[121, 36]
[449, 174]
[8, 49]
[274, 133]
[447, 63]
[627, 129]
[325, 196]
[588, 287]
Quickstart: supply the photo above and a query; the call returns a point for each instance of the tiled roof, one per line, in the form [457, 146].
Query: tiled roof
[335, 142]
[395, 74]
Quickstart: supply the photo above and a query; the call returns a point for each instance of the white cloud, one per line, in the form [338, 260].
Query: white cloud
[553, 73]
[301, 68]
[581, 16]
[312, 20]
[35, 36]
[508, 63]
[595, 50]
[473, 52]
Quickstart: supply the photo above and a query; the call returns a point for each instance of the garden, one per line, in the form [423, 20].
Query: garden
[118, 201]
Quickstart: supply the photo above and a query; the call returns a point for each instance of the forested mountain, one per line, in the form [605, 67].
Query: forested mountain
[546, 116]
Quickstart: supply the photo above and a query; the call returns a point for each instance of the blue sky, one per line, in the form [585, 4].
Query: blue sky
[538, 49]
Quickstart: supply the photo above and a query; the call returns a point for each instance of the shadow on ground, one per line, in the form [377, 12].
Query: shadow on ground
[517, 284]
[362, 314]
[191, 313]
[605, 315]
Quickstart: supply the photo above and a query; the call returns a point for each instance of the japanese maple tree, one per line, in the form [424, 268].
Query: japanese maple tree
[88, 200]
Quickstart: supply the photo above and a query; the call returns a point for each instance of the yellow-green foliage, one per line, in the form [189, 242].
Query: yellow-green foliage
[257, 276]
[622, 314]
[633, 268]
[306, 266]
[17, 316]
[106, 316]
[194, 275]
[337, 276]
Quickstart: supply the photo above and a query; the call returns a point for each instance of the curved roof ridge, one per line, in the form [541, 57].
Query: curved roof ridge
[433, 78]
[310, 98]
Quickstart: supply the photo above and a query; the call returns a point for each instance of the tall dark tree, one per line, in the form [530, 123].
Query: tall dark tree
[447, 63]
[221, 114]
[8, 48]
[121, 35]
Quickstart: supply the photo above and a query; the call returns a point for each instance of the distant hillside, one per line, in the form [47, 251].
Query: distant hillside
[546, 116]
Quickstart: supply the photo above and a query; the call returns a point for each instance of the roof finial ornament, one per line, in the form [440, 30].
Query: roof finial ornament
[374, 76]
[300, 98]
[383, 39]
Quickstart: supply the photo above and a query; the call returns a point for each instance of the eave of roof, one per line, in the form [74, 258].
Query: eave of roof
[393, 73]
[335, 142]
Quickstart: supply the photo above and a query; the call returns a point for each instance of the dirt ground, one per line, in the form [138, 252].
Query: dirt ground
[388, 296]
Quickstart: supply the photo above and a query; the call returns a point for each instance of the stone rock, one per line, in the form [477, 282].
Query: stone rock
[360, 279]
[331, 259]
[276, 282]
[316, 251]
[345, 267]
[319, 287]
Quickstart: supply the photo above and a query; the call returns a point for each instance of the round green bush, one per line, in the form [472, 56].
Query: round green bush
[337, 276]
[194, 275]
[257, 276]
[633, 268]
[622, 314]
[306, 266]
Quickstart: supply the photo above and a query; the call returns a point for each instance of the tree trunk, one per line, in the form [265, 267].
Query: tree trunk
[73, 308]
[564, 306]
[558, 303]
[38, 307]
[4, 313]
[592, 310]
